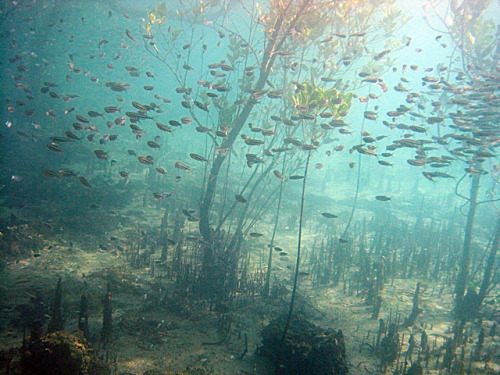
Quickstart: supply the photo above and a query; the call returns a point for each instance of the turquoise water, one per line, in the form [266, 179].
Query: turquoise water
[73, 167]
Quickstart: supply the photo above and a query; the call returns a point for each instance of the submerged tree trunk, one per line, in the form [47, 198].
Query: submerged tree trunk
[275, 42]
[490, 264]
[463, 275]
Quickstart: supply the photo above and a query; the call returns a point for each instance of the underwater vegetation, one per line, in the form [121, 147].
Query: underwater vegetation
[242, 187]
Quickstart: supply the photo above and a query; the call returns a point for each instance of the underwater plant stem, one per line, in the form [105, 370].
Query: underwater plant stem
[358, 178]
[457, 186]
[463, 274]
[224, 195]
[356, 195]
[299, 242]
[490, 264]
[267, 283]
[259, 211]
[56, 320]
[107, 320]
[228, 213]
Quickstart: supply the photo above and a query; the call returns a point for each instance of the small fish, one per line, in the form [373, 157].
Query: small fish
[198, 157]
[84, 181]
[161, 170]
[57, 139]
[111, 109]
[418, 129]
[66, 173]
[382, 198]
[203, 107]
[329, 215]
[129, 34]
[370, 115]
[430, 79]
[434, 120]
[102, 42]
[71, 135]
[365, 151]
[255, 234]
[431, 175]
[138, 115]
[371, 80]
[278, 174]
[380, 55]
[146, 160]
[254, 142]
[54, 147]
[50, 173]
[102, 155]
[475, 171]
[82, 119]
[159, 196]
[125, 175]
[163, 127]
[416, 162]
[182, 166]
[153, 144]
[385, 163]
[240, 198]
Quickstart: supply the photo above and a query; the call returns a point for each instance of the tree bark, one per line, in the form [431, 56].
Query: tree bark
[463, 275]
[275, 43]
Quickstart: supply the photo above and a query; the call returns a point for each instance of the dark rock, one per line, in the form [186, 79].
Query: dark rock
[61, 353]
[308, 349]
[415, 369]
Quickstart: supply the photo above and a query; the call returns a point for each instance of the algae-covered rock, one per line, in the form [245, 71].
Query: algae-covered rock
[61, 353]
[307, 350]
